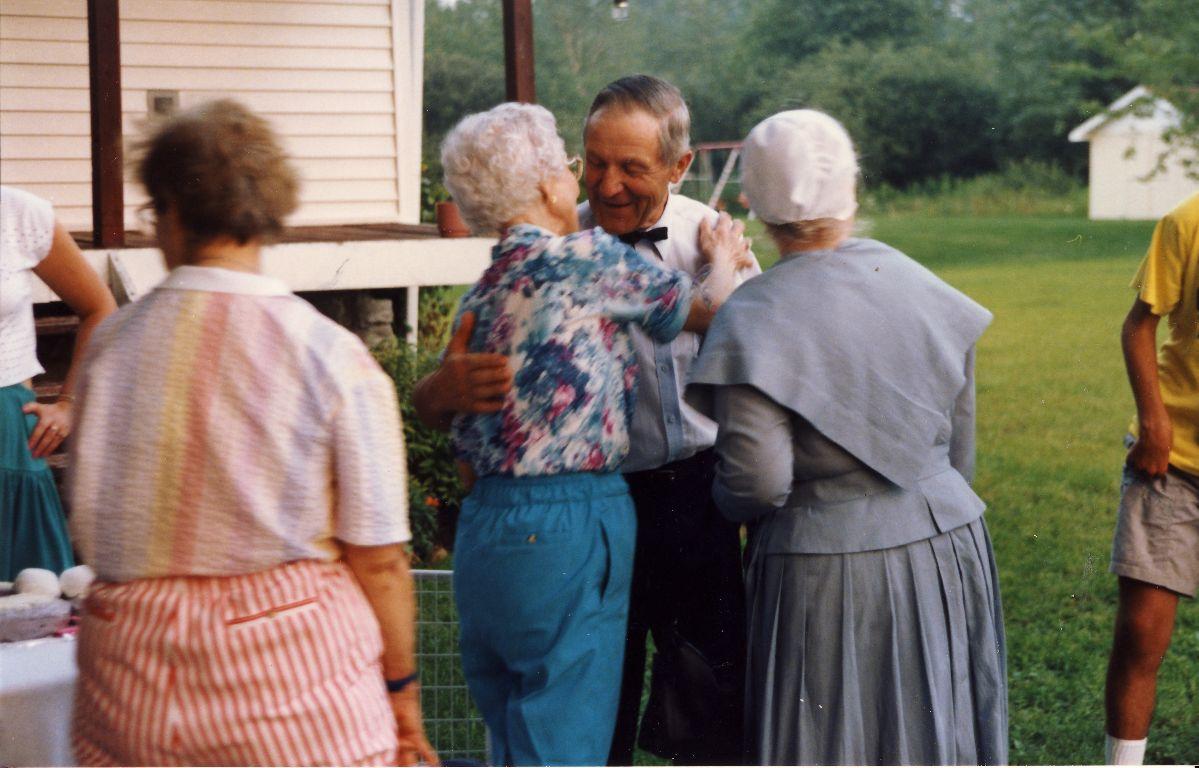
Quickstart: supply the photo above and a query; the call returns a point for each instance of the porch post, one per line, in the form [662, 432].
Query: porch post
[518, 51]
[104, 73]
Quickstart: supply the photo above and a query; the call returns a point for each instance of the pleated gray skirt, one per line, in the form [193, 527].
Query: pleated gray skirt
[893, 656]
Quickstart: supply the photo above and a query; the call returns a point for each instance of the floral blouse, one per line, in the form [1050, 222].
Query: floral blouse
[559, 307]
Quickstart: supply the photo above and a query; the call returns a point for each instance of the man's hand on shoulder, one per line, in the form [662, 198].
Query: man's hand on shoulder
[466, 382]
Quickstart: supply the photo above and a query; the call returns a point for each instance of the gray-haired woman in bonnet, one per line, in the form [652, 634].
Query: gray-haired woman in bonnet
[843, 384]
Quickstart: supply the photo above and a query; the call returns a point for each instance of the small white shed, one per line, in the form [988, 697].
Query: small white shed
[1125, 148]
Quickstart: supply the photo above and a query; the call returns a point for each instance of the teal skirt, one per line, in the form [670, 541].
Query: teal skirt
[33, 529]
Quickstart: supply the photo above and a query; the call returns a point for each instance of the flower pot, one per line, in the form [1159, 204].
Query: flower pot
[449, 220]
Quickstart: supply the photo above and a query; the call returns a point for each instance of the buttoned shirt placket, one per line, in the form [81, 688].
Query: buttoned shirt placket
[668, 391]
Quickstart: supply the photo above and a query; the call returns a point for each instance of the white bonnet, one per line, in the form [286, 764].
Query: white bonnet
[799, 165]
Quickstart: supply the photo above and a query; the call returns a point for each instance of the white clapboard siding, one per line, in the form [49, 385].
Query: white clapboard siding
[340, 213]
[13, 75]
[340, 81]
[278, 102]
[408, 48]
[57, 9]
[305, 14]
[273, 36]
[340, 146]
[315, 169]
[38, 123]
[247, 57]
[70, 195]
[335, 191]
[45, 147]
[340, 124]
[41, 171]
[74, 217]
[299, 125]
[40, 51]
[53, 100]
[230, 81]
[45, 144]
[37, 28]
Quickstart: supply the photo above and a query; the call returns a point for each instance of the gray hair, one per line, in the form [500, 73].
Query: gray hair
[810, 231]
[657, 97]
[495, 160]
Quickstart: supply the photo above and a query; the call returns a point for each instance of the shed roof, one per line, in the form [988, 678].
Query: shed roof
[1162, 116]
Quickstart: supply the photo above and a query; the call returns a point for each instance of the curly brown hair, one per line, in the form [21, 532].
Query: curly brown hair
[222, 169]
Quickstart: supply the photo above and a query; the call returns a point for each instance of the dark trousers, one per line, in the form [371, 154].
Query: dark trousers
[688, 585]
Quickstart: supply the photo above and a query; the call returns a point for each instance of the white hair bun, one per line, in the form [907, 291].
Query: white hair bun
[37, 581]
[75, 581]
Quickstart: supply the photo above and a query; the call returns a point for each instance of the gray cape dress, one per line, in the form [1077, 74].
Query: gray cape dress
[842, 383]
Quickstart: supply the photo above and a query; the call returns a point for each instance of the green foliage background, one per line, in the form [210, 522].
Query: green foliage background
[926, 87]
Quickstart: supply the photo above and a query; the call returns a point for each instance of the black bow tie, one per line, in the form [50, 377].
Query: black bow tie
[657, 234]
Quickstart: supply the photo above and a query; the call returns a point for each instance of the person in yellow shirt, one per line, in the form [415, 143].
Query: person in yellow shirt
[1155, 551]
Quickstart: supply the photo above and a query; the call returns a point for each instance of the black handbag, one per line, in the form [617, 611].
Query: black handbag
[688, 697]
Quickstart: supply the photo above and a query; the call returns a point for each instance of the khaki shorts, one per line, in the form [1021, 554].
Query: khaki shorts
[1157, 531]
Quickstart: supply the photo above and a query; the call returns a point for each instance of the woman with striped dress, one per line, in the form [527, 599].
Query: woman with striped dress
[239, 488]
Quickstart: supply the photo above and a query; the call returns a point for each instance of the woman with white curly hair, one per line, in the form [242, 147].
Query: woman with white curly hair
[842, 382]
[544, 549]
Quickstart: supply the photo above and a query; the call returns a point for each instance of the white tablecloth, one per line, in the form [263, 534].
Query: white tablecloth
[37, 681]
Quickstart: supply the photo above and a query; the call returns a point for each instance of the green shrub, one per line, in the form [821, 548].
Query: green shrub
[434, 490]
[1025, 187]
[435, 315]
[432, 192]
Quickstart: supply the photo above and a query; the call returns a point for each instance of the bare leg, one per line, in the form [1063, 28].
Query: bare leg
[1144, 623]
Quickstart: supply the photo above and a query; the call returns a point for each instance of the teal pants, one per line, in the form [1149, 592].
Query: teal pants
[542, 569]
[33, 530]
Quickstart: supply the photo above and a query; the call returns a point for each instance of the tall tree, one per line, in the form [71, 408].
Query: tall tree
[794, 29]
[1048, 68]
[1163, 54]
[464, 66]
[914, 112]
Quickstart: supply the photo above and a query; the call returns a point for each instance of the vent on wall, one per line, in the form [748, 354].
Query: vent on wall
[162, 103]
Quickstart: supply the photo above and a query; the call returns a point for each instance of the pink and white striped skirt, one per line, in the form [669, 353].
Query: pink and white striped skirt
[279, 667]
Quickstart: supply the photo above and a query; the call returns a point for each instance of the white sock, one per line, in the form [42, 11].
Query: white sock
[1124, 751]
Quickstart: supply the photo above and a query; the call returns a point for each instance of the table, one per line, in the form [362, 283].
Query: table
[37, 683]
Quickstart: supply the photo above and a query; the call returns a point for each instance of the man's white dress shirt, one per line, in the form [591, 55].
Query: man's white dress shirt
[664, 428]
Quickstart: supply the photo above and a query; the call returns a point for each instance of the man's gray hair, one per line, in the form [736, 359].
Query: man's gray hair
[656, 97]
[495, 160]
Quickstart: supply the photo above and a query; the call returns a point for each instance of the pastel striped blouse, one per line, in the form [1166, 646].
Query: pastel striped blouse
[224, 427]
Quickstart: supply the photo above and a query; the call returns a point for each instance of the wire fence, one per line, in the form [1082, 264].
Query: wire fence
[452, 723]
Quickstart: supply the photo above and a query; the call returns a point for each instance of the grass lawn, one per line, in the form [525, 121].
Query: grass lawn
[1053, 408]
[1053, 405]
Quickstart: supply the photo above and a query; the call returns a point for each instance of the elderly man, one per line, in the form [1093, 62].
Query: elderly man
[687, 580]
[687, 585]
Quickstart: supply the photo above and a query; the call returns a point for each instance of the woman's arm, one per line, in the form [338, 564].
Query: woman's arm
[754, 445]
[370, 478]
[69, 275]
[1150, 454]
[386, 580]
[465, 382]
[961, 441]
[726, 252]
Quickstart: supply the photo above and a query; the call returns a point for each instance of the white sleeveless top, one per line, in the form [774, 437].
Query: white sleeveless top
[26, 232]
